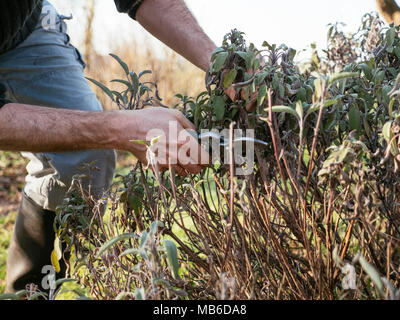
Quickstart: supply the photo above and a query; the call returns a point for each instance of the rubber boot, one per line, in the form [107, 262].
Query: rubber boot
[30, 249]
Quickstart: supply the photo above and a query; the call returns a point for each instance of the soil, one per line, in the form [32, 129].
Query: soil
[12, 178]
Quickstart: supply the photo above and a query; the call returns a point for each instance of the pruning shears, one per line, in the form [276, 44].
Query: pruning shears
[223, 142]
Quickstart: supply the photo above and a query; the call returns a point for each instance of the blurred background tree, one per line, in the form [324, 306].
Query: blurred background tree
[91, 10]
[390, 10]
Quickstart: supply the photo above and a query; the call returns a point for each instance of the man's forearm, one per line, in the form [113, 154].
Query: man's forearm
[171, 22]
[40, 129]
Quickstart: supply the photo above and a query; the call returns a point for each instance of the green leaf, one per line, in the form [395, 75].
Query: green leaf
[9, 296]
[127, 83]
[162, 282]
[155, 225]
[135, 82]
[337, 156]
[172, 257]
[330, 102]
[373, 273]
[262, 92]
[143, 239]
[266, 44]
[275, 82]
[390, 108]
[135, 203]
[197, 115]
[216, 51]
[255, 63]
[219, 107]
[354, 118]
[366, 69]
[318, 105]
[141, 142]
[129, 251]
[230, 77]
[387, 132]
[36, 295]
[336, 258]
[292, 54]
[144, 72]
[386, 94]
[396, 51]
[119, 96]
[102, 87]
[281, 90]
[260, 77]
[143, 254]
[299, 109]
[123, 295]
[219, 61]
[140, 294]
[367, 127]
[342, 75]
[113, 241]
[59, 282]
[301, 94]
[388, 136]
[246, 56]
[123, 64]
[390, 35]
[379, 77]
[284, 109]
[318, 88]
[154, 140]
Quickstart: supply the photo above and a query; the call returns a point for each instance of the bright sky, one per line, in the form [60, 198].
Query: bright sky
[293, 22]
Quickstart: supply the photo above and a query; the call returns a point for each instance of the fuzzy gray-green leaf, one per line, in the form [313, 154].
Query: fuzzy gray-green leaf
[172, 257]
[114, 240]
[373, 273]
[123, 64]
[102, 87]
[219, 61]
[219, 107]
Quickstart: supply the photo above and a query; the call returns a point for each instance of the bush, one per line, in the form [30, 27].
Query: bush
[318, 217]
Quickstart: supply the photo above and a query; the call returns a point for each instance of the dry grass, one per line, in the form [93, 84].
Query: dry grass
[172, 73]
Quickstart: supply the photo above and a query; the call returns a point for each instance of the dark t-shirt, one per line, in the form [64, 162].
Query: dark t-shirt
[18, 19]
[128, 6]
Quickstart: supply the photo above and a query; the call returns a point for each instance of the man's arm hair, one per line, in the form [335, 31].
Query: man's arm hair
[41, 129]
[172, 23]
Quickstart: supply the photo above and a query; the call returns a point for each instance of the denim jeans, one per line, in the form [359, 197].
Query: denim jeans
[46, 70]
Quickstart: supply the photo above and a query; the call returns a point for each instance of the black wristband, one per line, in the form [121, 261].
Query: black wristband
[132, 11]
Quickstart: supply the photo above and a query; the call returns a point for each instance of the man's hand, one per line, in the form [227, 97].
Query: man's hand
[173, 146]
